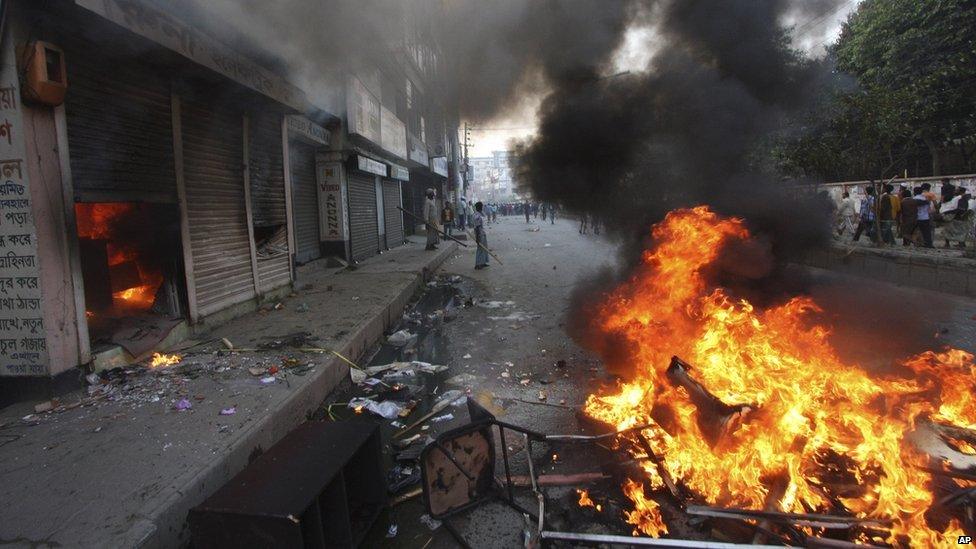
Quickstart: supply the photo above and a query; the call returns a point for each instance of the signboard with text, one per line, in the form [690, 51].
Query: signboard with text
[333, 211]
[362, 111]
[369, 165]
[399, 172]
[393, 133]
[418, 151]
[438, 165]
[307, 130]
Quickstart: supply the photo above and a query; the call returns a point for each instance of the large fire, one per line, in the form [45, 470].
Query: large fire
[811, 417]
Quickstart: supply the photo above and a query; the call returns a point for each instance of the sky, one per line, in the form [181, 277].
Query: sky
[812, 34]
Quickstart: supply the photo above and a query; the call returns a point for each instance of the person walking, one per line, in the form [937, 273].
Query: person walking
[462, 215]
[908, 217]
[888, 212]
[925, 199]
[528, 211]
[447, 218]
[845, 214]
[430, 219]
[866, 223]
[478, 223]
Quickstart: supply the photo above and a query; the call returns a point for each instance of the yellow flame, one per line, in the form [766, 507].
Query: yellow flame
[812, 409]
[160, 360]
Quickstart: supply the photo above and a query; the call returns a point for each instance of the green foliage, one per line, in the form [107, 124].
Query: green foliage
[914, 64]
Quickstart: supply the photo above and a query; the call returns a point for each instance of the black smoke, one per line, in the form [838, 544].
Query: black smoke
[694, 128]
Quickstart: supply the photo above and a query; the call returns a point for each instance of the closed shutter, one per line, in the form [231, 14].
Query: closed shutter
[409, 223]
[306, 202]
[267, 176]
[213, 163]
[364, 237]
[120, 131]
[394, 217]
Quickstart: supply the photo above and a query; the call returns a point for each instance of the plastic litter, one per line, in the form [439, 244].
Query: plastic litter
[229, 411]
[445, 417]
[429, 522]
[391, 532]
[401, 338]
[387, 409]
[182, 404]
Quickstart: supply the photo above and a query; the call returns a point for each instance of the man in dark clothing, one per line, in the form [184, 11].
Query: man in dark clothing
[908, 217]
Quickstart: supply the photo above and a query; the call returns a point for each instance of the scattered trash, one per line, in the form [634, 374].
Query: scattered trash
[397, 424]
[229, 411]
[463, 380]
[227, 343]
[525, 381]
[97, 430]
[466, 356]
[302, 308]
[429, 522]
[517, 316]
[257, 371]
[505, 374]
[356, 375]
[401, 338]
[93, 379]
[387, 409]
[372, 381]
[278, 306]
[182, 404]
[542, 395]
[391, 532]
[273, 370]
[268, 379]
[445, 417]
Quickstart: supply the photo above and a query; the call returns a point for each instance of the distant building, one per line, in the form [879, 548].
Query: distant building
[493, 177]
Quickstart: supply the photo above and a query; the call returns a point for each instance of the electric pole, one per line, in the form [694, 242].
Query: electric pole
[464, 165]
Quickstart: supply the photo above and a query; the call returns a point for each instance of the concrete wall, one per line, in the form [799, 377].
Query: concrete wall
[65, 348]
[948, 275]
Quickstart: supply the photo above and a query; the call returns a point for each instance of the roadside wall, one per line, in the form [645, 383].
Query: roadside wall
[952, 275]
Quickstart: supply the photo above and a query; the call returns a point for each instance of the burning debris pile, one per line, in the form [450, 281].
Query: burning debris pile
[759, 412]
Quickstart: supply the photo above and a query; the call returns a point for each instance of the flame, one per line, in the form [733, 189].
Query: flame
[584, 498]
[815, 419]
[160, 360]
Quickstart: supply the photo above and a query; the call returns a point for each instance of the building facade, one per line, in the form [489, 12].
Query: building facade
[158, 181]
[493, 177]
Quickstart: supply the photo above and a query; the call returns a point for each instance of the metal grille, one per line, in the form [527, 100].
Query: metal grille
[364, 234]
[213, 163]
[394, 217]
[306, 202]
[119, 132]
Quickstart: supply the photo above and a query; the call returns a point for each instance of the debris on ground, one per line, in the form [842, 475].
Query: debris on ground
[182, 404]
[228, 411]
[429, 522]
[401, 338]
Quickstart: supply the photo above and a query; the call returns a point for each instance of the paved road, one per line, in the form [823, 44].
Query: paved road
[506, 348]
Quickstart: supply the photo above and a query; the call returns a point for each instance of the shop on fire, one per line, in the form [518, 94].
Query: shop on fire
[166, 191]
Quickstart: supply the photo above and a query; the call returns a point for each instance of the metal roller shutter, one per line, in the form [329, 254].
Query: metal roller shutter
[306, 202]
[394, 217]
[213, 166]
[119, 131]
[364, 234]
[267, 175]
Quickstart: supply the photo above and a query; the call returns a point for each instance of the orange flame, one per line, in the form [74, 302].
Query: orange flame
[160, 360]
[812, 409]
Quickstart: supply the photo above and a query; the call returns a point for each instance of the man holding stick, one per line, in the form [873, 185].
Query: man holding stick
[430, 219]
[478, 222]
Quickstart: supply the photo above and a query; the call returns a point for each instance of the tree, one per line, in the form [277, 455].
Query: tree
[917, 60]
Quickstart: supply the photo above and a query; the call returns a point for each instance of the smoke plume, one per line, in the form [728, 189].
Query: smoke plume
[628, 148]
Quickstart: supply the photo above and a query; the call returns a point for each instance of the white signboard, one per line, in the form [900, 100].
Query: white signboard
[362, 111]
[438, 165]
[23, 344]
[418, 151]
[393, 133]
[399, 172]
[173, 33]
[333, 211]
[307, 130]
[369, 165]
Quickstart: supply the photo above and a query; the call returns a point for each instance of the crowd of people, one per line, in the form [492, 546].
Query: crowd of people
[911, 214]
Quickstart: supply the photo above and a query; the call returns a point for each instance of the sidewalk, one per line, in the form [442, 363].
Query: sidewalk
[123, 468]
[943, 270]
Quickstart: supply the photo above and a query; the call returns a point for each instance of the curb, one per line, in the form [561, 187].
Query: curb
[164, 525]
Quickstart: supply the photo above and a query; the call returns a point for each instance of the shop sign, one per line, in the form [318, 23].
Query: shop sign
[178, 35]
[307, 130]
[333, 210]
[438, 165]
[362, 111]
[399, 172]
[369, 165]
[418, 151]
[393, 133]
